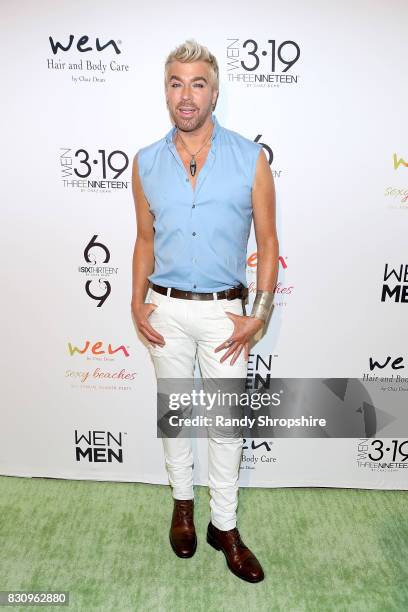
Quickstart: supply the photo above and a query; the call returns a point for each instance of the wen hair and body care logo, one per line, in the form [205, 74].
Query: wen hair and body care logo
[100, 60]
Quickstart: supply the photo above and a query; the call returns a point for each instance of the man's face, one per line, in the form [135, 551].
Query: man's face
[189, 94]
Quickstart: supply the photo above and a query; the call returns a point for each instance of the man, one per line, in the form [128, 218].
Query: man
[196, 192]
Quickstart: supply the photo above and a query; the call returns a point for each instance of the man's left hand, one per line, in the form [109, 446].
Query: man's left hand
[244, 329]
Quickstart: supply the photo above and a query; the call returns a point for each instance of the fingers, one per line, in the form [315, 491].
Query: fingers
[228, 342]
[146, 329]
[237, 353]
[231, 349]
[235, 348]
[233, 344]
[152, 309]
[151, 334]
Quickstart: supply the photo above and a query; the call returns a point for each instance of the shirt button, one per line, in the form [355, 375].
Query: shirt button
[195, 286]
[193, 206]
[186, 180]
[194, 233]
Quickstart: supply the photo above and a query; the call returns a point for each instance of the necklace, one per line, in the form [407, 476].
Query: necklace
[193, 165]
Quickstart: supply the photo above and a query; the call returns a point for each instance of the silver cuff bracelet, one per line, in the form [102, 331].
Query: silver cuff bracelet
[262, 305]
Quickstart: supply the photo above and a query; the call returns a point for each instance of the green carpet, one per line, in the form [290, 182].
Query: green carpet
[107, 544]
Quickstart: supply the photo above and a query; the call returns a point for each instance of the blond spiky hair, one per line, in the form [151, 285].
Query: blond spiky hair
[192, 51]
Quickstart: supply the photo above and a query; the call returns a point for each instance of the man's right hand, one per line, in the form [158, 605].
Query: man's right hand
[141, 314]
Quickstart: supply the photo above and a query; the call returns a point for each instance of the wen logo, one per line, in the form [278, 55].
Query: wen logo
[96, 349]
[252, 260]
[399, 162]
[255, 446]
[80, 45]
[395, 364]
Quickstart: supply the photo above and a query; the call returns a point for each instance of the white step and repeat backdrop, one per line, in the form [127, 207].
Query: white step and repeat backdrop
[321, 85]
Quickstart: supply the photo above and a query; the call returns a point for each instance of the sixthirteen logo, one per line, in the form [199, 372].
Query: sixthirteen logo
[97, 285]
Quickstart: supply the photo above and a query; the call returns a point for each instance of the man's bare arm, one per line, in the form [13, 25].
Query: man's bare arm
[263, 207]
[143, 261]
[143, 257]
[264, 215]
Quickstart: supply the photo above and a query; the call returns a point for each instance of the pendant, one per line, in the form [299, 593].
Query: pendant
[193, 166]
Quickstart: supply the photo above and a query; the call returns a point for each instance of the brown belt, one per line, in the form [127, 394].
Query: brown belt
[229, 294]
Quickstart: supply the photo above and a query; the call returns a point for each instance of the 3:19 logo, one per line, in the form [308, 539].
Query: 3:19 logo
[107, 163]
[398, 449]
[276, 52]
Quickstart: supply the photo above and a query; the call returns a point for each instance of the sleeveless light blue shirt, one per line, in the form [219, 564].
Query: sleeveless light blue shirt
[201, 234]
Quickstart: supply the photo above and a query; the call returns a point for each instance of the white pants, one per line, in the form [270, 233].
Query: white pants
[195, 328]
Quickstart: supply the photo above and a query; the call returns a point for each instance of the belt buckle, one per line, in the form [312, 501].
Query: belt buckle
[242, 294]
[229, 293]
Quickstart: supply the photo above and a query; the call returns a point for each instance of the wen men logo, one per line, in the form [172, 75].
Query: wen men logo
[399, 162]
[259, 373]
[99, 446]
[398, 289]
[80, 45]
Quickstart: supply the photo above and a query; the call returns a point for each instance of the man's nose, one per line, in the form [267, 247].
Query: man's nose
[186, 91]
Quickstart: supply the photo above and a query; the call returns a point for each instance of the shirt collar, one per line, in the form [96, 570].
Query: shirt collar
[216, 129]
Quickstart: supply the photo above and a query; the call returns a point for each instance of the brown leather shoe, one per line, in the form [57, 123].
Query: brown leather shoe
[240, 560]
[183, 537]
